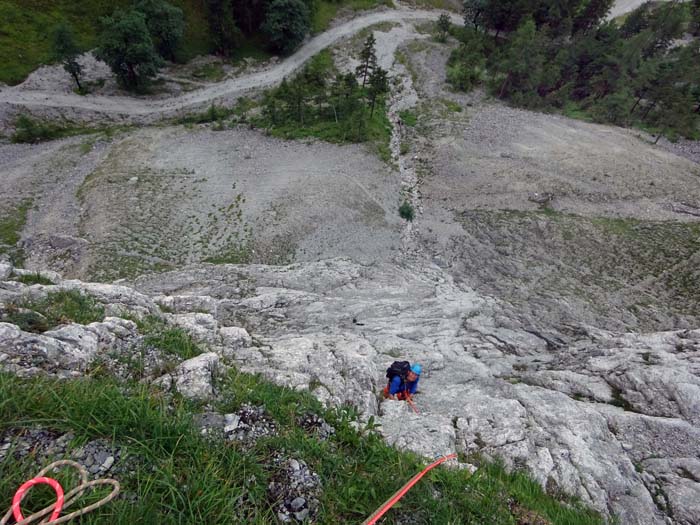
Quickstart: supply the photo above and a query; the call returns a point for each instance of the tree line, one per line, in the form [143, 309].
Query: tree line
[546, 54]
[135, 41]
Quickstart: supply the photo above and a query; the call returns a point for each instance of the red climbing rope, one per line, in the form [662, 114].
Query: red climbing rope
[413, 406]
[62, 501]
[22, 491]
[403, 490]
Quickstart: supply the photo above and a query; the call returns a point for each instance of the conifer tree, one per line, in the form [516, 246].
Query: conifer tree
[223, 26]
[368, 59]
[166, 23]
[443, 27]
[378, 85]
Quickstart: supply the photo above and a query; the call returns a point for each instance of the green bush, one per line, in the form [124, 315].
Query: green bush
[28, 130]
[406, 211]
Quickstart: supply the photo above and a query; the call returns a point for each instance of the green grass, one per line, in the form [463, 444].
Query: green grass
[327, 10]
[451, 105]
[11, 224]
[33, 278]
[408, 117]
[181, 478]
[212, 72]
[171, 340]
[62, 307]
[32, 131]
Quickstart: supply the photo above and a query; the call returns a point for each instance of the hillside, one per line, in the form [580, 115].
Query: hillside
[26, 26]
[231, 258]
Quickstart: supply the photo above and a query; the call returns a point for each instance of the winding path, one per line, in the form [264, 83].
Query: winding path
[137, 108]
[134, 107]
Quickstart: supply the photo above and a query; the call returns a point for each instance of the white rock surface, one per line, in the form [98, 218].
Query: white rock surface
[194, 378]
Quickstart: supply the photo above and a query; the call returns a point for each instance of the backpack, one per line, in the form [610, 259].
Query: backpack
[398, 368]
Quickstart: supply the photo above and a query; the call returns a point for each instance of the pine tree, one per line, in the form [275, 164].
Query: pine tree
[166, 23]
[443, 27]
[223, 26]
[66, 51]
[126, 46]
[286, 24]
[522, 66]
[695, 17]
[378, 85]
[592, 14]
[368, 59]
[473, 11]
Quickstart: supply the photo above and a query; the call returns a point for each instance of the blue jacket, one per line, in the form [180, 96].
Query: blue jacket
[397, 386]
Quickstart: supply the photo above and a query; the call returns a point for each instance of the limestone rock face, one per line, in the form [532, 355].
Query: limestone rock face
[194, 378]
[611, 418]
[66, 350]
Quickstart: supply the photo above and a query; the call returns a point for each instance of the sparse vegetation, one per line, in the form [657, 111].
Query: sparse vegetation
[61, 307]
[33, 278]
[409, 118]
[11, 224]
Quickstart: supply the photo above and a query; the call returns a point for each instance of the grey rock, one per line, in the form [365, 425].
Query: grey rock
[5, 271]
[194, 378]
[302, 514]
[202, 327]
[297, 504]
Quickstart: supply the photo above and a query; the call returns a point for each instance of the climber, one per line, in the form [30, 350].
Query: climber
[402, 380]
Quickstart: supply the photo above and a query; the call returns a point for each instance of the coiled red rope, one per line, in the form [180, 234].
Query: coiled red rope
[61, 500]
[403, 490]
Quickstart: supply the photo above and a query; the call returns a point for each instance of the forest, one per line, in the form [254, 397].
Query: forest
[642, 70]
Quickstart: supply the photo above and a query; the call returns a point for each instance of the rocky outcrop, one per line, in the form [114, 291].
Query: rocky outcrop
[611, 418]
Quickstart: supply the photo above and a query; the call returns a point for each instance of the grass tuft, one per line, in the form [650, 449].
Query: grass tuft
[62, 307]
[33, 278]
[171, 340]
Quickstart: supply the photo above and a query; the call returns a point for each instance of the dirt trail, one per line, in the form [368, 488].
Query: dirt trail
[133, 107]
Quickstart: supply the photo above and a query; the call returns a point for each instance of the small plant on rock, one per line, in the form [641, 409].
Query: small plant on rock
[406, 211]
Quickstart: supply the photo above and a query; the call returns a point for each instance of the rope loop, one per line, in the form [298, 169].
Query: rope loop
[62, 502]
